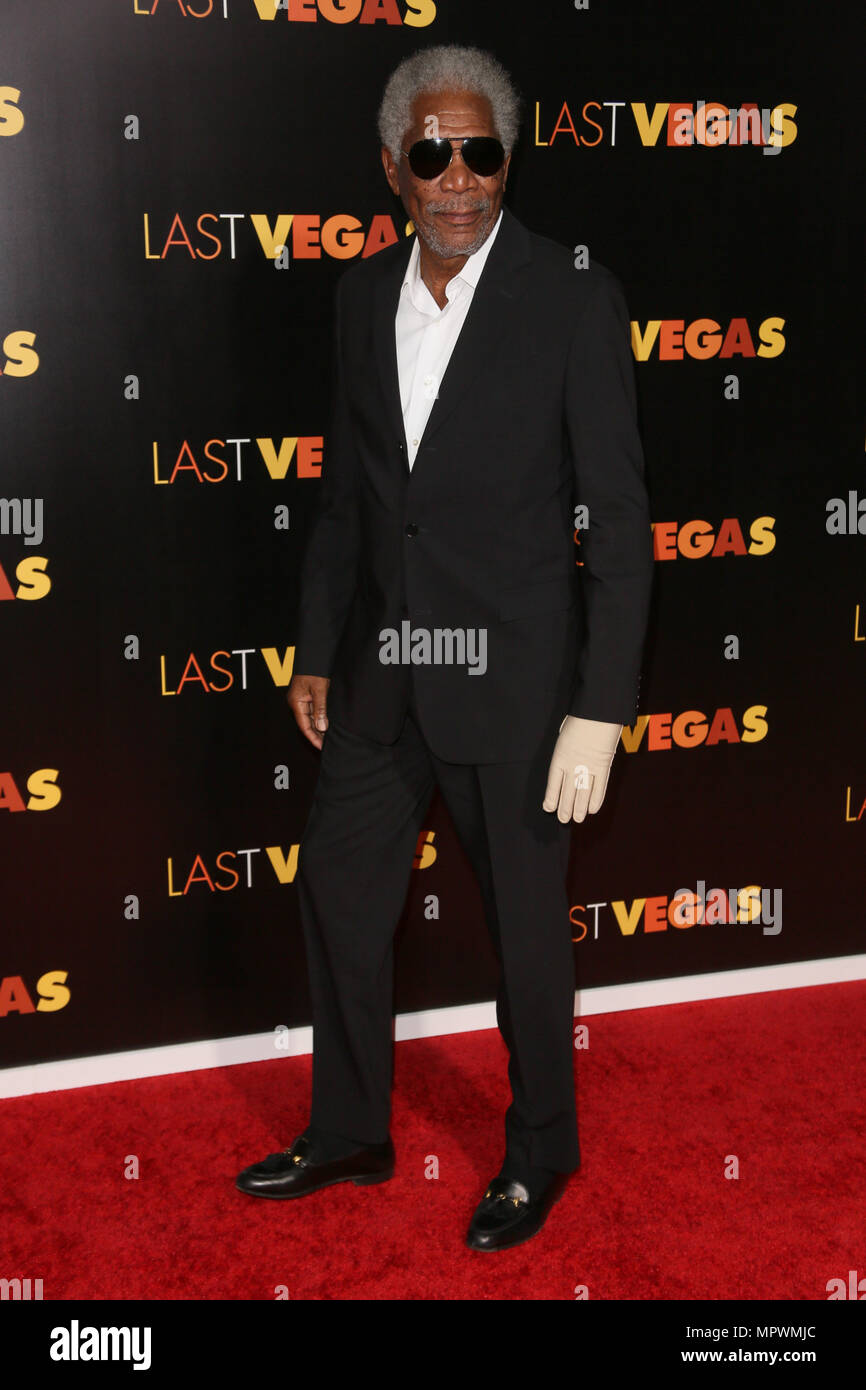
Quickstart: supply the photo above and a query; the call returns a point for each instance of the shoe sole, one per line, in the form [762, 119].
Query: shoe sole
[365, 1180]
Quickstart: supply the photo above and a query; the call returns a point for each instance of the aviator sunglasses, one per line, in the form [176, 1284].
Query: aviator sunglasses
[482, 154]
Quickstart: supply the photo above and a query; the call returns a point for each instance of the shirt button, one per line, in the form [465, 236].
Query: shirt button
[415, 441]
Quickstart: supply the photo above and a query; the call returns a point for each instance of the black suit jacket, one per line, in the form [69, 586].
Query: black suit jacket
[535, 413]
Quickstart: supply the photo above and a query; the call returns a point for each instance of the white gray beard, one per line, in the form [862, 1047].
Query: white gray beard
[441, 247]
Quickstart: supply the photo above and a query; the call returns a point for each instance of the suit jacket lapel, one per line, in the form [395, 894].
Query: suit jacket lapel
[484, 329]
[386, 299]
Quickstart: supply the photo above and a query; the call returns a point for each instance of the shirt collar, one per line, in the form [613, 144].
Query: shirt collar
[470, 273]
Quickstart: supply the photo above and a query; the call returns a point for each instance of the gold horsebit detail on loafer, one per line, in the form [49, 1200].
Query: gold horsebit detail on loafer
[503, 1196]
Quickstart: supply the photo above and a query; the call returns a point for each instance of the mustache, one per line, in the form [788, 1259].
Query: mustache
[451, 205]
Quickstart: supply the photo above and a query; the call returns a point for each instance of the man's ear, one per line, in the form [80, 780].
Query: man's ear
[390, 171]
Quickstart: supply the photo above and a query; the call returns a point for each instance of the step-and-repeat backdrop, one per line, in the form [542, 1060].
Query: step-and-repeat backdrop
[182, 183]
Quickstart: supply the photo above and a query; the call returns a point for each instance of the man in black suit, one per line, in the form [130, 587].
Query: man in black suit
[483, 387]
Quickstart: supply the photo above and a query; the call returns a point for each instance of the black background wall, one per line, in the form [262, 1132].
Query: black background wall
[125, 326]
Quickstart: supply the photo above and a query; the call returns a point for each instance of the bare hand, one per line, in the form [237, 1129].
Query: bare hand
[308, 701]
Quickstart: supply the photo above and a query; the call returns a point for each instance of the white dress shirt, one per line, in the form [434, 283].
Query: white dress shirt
[426, 335]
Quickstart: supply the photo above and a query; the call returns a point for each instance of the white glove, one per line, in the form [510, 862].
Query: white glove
[580, 767]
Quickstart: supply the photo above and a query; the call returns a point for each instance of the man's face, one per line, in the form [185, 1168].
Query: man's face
[454, 213]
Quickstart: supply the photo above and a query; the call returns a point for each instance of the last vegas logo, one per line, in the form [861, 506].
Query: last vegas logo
[414, 14]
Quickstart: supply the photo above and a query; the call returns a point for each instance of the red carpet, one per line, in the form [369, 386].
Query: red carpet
[664, 1095]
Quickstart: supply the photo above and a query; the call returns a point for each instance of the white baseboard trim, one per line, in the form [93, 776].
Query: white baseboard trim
[431, 1023]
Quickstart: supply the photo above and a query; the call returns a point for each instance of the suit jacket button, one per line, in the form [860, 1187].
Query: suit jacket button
[411, 529]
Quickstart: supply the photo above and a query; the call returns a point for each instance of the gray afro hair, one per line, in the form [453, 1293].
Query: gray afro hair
[448, 68]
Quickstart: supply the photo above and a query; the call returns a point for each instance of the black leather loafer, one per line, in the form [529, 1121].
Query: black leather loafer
[507, 1215]
[294, 1172]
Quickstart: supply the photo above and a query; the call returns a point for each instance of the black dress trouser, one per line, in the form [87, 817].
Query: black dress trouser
[355, 860]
